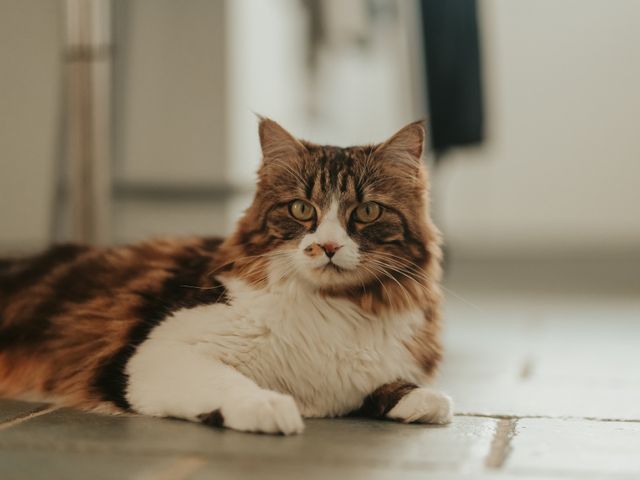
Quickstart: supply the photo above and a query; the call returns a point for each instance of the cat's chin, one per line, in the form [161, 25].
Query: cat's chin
[332, 276]
[331, 267]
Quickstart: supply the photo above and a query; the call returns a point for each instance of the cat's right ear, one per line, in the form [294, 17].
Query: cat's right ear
[276, 142]
[405, 146]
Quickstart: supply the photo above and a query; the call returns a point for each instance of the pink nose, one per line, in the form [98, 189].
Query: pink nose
[330, 248]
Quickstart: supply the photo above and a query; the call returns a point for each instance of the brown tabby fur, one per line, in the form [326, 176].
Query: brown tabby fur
[70, 318]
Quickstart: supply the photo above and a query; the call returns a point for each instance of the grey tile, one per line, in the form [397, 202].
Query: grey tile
[577, 447]
[284, 471]
[11, 409]
[546, 398]
[348, 441]
[544, 357]
[56, 465]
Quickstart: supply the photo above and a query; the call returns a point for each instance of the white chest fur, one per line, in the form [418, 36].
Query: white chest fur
[327, 353]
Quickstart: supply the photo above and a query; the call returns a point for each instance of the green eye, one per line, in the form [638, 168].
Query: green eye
[301, 210]
[367, 212]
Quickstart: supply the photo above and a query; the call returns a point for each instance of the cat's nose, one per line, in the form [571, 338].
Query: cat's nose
[330, 248]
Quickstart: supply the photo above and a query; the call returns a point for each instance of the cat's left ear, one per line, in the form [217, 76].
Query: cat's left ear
[405, 146]
[276, 142]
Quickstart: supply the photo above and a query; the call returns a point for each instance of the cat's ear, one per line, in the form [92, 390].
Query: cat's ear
[276, 142]
[404, 146]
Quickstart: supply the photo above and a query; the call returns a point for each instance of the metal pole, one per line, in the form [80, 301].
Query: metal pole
[88, 81]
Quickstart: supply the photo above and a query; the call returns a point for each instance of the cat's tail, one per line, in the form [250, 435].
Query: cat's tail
[8, 267]
[8, 264]
[20, 273]
[40, 264]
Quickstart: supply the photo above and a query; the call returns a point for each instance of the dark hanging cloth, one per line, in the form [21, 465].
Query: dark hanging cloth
[454, 84]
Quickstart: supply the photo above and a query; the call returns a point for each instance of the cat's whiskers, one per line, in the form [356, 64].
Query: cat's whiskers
[373, 273]
[202, 288]
[288, 169]
[428, 278]
[402, 259]
[421, 280]
[359, 277]
[391, 269]
[285, 265]
[405, 268]
[280, 278]
[258, 281]
[369, 165]
[247, 257]
[403, 289]
[418, 277]
[266, 279]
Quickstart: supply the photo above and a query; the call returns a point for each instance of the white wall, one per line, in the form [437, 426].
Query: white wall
[171, 126]
[170, 86]
[264, 75]
[560, 174]
[30, 82]
[359, 94]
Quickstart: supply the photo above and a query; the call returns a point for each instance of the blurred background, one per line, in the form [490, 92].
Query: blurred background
[124, 119]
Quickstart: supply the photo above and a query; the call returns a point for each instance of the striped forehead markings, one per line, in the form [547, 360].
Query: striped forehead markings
[335, 169]
[308, 189]
[332, 169]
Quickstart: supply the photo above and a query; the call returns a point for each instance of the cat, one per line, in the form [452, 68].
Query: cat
[324, 302]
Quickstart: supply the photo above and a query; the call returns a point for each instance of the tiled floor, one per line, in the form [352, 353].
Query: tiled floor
[544, 369]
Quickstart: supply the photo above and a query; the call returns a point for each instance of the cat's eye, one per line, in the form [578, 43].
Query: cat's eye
[301, 210]
[367, 212]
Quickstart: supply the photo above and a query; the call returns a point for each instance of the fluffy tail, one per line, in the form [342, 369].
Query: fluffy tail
[6, 264]
[7, 268]
[19, 274]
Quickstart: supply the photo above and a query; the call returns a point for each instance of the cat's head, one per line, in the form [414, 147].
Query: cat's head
[341, 219]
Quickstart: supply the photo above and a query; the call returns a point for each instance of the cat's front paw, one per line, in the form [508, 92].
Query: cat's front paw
[423, 405]
[263, 411]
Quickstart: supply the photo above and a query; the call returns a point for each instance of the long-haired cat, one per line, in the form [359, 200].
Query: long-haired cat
[323, 302]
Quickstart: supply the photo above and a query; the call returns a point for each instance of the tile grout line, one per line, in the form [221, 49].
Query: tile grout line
[23, 418]
[499, 416]
[501, 444]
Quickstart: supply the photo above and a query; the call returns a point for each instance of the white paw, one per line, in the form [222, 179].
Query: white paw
[423, 405]
[265, 412]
